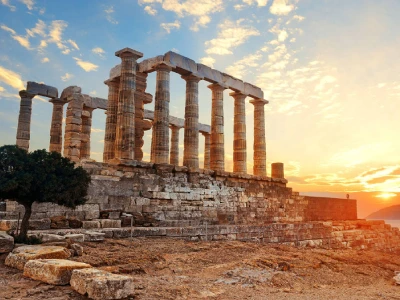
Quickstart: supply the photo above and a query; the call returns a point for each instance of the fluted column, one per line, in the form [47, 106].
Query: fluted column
[191, 137]
[174, 153]
[56, 125]
[125, 133]
[239, 134]
[260, 155]
[85, 132]
[161, 115]
[217, 151]
[207, 144]
[111, 120]
[24, 120]
[73, 124]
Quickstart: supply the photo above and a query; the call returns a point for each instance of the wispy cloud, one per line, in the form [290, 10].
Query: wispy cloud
[11, 78]
[7, 3]
[45, 60]
[99, 51]
[208, 61]
[151, 11]
[86, 65]
[110, 15]
[66, 77]
[169, 26]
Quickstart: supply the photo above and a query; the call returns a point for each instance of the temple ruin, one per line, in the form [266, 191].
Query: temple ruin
[160, 193]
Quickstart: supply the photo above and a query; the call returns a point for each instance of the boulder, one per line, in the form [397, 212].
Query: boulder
[78, 249]
[6, 242]
[98, 284]
[52, 271]
[19, 256]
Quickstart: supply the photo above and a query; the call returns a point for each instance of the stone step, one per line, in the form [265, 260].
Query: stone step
[41, 224]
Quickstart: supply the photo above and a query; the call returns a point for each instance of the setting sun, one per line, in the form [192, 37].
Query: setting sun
[386, 195]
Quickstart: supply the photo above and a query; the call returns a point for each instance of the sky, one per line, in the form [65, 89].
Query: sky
[329, 69]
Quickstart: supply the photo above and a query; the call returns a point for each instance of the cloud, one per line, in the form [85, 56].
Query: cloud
[99, 51]
[86, 65]
[324, 81]
[282, 36]
[240, 67]
[45, 60]
[29, 3]
[66, 77]
[230, 35]
[169, 26]
[73, 44]
[109, 15]
[39, 29]
[281, 7]
[259, 2]
[208, 61]
[199, 9]
[7, 3]
[56, 30]
[11, 78]
[383, 179]
[151, 11]
[22, 40]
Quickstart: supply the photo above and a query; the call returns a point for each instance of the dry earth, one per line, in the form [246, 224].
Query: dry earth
[175, 269]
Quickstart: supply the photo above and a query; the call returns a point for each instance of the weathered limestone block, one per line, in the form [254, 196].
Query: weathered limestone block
[69, 91]
[6, 242]
[98, 284]
[59, 222]
[148, 65]
[253, 91]
[233, 83]
[50, 238]
[8, 224]
[52, 271]
[19, 256]
[75, 237]
[41, 89]
[78, 249]
[106, 223]
[182, 63]
[209, 74]
[91, 236]
[90, 224]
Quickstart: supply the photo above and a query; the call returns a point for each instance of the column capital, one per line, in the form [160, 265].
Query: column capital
[205, 133]
[25, 94]
[192, 77]
[112, 82]
[259, 101]
[57, 101]
[163, 66]
[173, 126]
[128, 52]
[217, 87]
[238, 95]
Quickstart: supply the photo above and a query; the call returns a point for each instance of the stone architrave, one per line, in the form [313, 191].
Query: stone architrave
[239, 134]
[85, 132]
[56, 125]
[72, 137]
[260, 155]
[111, 120]
[125, 131]
[160, 146]
[24, 120]
[191, 136]
[207, 144]
[174, 153]
[217, 151]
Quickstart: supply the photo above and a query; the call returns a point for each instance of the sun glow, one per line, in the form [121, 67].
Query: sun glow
[386, 196]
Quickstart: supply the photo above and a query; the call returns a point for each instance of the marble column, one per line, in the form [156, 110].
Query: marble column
[239, 134]
[24, 120]
[207, 144]
[217, 151]
[111, 120]
[85, 132]
[161, 115]
[56, 125]
[174, 152]
[73, 124]
[191, 137]
[125, 132]
[260, 156]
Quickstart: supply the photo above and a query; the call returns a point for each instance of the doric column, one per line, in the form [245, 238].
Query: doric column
[174, 153]
[24, 120]
[73, 124]
[85, 132]
[191, 137]
[260, 156]
[161, 115]
[56, 125]
[217, 151]
[111, 120]
[239, 134]
[125, 133]
[207, 144]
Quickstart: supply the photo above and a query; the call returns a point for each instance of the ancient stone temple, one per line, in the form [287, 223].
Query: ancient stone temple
[160, 192]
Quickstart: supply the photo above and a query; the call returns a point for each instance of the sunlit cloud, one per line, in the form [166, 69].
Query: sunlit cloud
[169, 26]
[66, 77]
[11, 78]
[110, 15]
[7, 3]
[96, 130]
[208, 61]
[99, 51]
[281, 7]
[29, 3]
[86, 65]
[45, 60]
[151, 11]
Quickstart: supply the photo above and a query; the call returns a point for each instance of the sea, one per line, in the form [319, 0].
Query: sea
[394, 223]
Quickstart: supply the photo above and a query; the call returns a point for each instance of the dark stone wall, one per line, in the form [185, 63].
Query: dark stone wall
[322, 209]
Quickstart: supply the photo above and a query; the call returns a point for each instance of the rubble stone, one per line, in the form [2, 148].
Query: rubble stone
[6, 242]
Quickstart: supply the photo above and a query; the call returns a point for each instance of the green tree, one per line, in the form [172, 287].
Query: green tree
[40, 176]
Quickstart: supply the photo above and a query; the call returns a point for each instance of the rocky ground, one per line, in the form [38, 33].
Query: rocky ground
[175, 269]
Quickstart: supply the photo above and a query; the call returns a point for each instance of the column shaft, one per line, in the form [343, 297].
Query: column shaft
[217, 151]
[125, 132]
[191, 137]
[260, 155]
[111, 120]
[140, 98]
[24, 120]
[85, 133]
[174, 152]
[207, 144]
[239, 134]
[56, 125]
[73, 124]
[161, 115]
